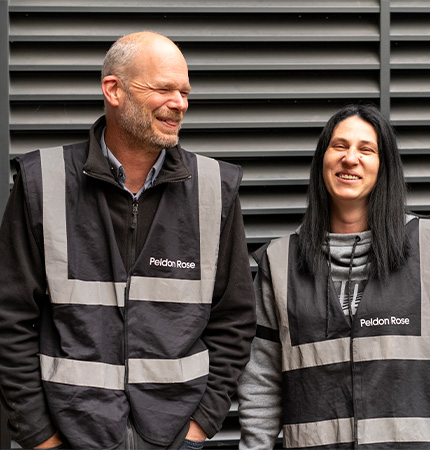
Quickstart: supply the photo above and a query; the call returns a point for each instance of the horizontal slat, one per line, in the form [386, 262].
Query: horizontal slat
[413, 140]
[207, 56]
[417, 169]
[223, 144]
[25, 142]
[258, 230]
[228, 438]
[226, 85]
[418, 198]
[199, 116]
[410, 55]
[264, 27]
[410, 83]
[55, 86]
[410, 27]
[168, 6]
[266, 144]
[57, 56]
[407, 6]
[415, 112]
[273, 201]
[291, 171]
[54, 116]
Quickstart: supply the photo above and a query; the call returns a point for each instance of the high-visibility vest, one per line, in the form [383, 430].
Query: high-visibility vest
[114, 343]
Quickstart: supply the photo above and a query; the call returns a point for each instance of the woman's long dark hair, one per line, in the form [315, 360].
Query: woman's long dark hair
[386, 202]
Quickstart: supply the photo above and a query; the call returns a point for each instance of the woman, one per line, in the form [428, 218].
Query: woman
[342, 354]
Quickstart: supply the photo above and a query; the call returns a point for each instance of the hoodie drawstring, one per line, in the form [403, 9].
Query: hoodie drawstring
[351, 261]
[357, 239]
[327, 312]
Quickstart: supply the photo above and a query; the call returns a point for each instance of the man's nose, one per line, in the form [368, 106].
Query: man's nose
[178, 101]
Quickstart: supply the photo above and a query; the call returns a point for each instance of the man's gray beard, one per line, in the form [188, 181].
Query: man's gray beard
[136, 121]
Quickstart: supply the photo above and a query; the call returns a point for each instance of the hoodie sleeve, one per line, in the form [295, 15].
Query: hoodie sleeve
[23, 291]
[260, 386]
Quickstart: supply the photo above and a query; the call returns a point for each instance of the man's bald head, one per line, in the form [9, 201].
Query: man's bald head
[121, 58]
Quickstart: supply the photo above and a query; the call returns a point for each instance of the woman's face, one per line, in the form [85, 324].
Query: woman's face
[351, 162]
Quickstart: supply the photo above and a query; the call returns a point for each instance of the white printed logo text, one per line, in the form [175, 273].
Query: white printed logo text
[379, 322]
[160, 262]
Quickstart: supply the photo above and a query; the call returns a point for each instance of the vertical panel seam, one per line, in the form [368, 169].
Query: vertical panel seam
[385, 57]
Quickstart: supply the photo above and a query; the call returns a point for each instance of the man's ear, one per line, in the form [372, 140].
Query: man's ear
[111, 89]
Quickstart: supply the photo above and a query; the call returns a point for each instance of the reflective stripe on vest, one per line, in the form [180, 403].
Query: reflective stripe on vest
[110, 376]
[314, 434]
[374, 348]
[394, 429]
[66, 291]
[372, 431]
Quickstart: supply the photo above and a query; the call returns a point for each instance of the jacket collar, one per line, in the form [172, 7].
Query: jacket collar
[174, 168]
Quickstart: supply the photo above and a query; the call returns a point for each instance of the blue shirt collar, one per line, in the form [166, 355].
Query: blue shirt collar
[119, 172]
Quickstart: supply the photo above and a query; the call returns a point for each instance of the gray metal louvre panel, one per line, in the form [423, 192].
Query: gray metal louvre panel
[85, 86]
[237, 27]
[410, 94]
[208, 56]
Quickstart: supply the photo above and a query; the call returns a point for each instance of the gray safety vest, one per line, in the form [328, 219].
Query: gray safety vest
[114, 343]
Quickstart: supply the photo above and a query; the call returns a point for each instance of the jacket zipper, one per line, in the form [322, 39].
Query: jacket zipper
[132, 256]
[353, 390]
[134, 214]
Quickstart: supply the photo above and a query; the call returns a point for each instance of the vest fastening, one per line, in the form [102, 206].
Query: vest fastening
[365, 386]
[117, 342]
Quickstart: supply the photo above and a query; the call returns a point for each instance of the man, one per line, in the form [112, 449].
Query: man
[126, 307]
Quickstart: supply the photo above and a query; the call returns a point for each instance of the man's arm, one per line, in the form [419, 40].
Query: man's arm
[231, 326]
[23, 291]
